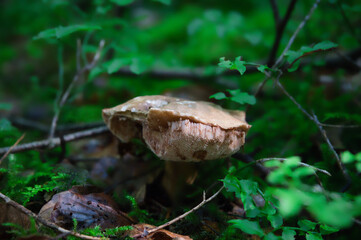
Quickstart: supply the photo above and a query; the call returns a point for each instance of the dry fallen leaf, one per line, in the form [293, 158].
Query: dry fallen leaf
[161, 234]
[87, 205]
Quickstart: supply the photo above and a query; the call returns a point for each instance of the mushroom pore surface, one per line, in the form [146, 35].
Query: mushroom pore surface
[177, 129]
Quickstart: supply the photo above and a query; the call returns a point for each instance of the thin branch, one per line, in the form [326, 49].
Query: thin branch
[53, 142]
[300, 163]
[76, 78]
[338, 159]
[12, 147]
[280, 27]
[205, 200]
[313, 118]
[300, 26]
[339, 126]
[45, 222]
[276, 14]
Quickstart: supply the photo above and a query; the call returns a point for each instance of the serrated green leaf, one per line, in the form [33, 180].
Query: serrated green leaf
[243, 98]
[240, 65]
[219, 96]
[306, 225]
[225, 63]
[288, 234]
[275, 220]
[122, 2]
[292, 161]
[247, 226]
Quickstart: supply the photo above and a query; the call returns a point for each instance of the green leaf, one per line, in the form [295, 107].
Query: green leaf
[288, 234]
[306, 225]
[61, 31]
[247, 226]
[326, 45]
[313, 236]
[219, 96]
[240, 65]
[271, 236]
[290, 202]
[275, 220]
[325, 229]
[116, 64]
[262, 68]
[231, 183]
[347, 157]
[249, 187]
[6, 106]
[293, 161]
[122, 2]
[225, 63]
[272, 163]
[243, 98]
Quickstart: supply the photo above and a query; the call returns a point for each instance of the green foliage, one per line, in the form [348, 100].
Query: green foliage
[25, 176]
[294, 56]
[274, 207]
[236, 96]
[141, 215]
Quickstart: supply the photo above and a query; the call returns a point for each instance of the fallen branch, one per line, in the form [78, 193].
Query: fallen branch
[53, 142]
[205, 200]
[44, 222]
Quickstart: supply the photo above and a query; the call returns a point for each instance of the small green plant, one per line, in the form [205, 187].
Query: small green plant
[265, 214]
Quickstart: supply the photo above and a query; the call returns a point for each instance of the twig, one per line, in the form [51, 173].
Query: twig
[280, 27]
[11, 148]
[338, 159]
[300, 26]
[56, 140]
[45, 222]
[313, 118]
[76, 78]
[300, 163]
[276, 14]
[205, 200]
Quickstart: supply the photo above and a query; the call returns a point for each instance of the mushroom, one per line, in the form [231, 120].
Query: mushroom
[177, 129]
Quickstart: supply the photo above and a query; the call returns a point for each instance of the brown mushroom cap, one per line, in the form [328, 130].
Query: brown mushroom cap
[177, 129]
